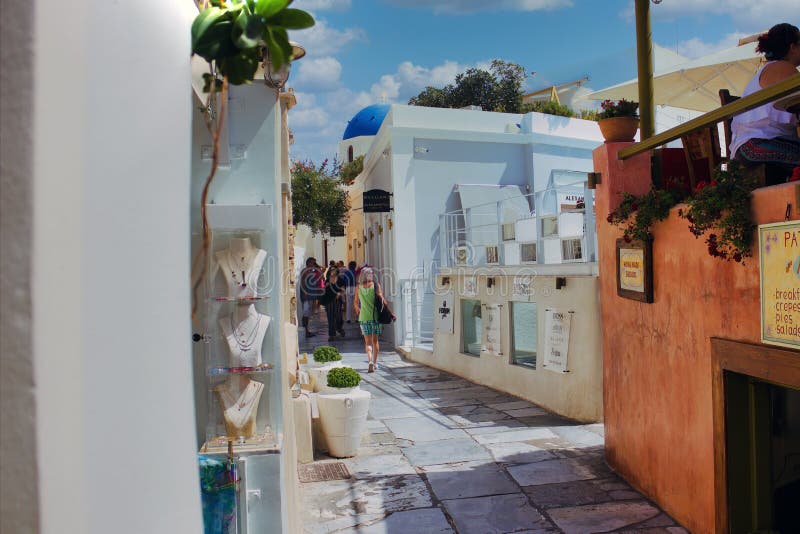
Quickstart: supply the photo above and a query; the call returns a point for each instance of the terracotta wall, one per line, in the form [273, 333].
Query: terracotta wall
[656, 357]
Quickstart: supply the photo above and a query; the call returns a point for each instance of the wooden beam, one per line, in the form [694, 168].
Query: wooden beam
[759, 98]
[644, 60]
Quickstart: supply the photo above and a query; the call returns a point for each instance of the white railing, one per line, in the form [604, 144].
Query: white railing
[552, 226]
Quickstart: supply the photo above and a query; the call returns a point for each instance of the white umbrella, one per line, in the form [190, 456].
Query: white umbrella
[696, 83]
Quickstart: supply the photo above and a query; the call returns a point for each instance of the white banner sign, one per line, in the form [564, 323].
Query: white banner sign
[492, 342]
[443, 317]
[556, 341]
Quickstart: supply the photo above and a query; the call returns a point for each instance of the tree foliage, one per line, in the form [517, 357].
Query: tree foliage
[549, 107]
[318, 199]
[350, 171]
[496, 89]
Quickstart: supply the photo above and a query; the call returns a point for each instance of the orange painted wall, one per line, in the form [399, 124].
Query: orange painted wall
[657, 357]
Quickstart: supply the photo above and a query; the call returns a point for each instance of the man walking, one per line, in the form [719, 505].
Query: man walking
[310, 280]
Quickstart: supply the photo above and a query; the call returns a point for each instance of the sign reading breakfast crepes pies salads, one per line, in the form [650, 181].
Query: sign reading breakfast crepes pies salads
[779, 256]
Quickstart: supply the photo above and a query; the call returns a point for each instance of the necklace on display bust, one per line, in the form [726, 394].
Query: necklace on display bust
[239, 263]
[244, 340]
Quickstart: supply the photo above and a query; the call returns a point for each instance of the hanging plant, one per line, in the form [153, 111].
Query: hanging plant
[720, 210]
[637, 214]
[234, 36]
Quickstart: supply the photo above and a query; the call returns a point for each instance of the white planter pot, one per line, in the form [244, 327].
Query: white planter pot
[343, 416]
[319, 373]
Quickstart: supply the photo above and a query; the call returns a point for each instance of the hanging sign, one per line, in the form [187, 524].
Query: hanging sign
[556, 340]
[443, 320]
[376, 201]
[491, 329]
[779, 252]
[337, 231]
[635, 270]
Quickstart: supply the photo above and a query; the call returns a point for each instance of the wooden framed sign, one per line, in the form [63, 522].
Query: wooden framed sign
[635, 270]
[779, 269]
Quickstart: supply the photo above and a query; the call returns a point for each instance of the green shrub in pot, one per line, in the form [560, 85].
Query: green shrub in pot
[326, 354]
[343, 377]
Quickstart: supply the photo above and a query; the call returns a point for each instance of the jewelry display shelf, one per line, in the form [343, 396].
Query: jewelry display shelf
[218, 371]
[265, 443]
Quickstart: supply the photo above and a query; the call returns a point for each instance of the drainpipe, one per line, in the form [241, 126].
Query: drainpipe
[644, 59]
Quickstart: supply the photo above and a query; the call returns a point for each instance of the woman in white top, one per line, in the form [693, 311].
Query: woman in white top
[765, 134]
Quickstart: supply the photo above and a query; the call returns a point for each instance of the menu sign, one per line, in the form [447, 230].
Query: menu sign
[635, 270]
[779, 253]
[556, 341]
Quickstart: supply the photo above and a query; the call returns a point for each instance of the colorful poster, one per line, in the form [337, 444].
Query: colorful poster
[779, 247]
[443, 318]
[556, 340]
[492, 342]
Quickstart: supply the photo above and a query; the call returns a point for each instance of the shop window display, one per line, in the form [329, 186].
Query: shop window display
[471, 327]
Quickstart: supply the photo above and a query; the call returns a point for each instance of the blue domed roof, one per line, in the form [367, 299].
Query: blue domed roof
[367, 121]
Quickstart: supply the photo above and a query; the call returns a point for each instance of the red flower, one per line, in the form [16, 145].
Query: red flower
[712, 183]
[700, 185]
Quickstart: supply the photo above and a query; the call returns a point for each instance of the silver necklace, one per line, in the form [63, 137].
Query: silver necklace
[247, 340]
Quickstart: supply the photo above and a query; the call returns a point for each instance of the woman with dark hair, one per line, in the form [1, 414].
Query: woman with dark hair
[333, 299]
[766, 134]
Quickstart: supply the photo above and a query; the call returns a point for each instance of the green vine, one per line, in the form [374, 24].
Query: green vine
[720, 210]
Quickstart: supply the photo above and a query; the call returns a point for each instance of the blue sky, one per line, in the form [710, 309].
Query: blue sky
[363, 51]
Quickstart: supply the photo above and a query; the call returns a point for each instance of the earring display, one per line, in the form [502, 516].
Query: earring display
[239, 360]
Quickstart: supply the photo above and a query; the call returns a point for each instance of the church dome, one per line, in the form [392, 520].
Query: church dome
[367, 121]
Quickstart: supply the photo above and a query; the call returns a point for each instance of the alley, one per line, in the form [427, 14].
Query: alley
[445, 455]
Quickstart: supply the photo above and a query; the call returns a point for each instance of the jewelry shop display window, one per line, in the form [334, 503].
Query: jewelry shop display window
[524, 333]
[471, 327]
[239, 337]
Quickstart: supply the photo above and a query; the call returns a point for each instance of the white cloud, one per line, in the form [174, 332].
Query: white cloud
[318, 74]
[322, 5]
[749, 15]
[410, 79]
[324, 40]
[472, 6]
[696, 47]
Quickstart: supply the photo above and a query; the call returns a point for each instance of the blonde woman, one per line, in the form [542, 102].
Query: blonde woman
[364, 305]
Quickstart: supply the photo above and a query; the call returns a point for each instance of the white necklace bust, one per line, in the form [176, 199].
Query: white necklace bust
[241, 265]
[244, 332]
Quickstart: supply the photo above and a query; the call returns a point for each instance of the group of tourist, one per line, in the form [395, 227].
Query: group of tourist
[347, 293]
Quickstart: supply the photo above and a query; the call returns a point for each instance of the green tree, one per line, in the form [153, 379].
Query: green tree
[549, 107]
[318, 199]
[349, 171]
[496, 89]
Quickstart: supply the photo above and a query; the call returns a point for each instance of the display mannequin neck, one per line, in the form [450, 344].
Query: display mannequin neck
[242, 312]
[241, 247]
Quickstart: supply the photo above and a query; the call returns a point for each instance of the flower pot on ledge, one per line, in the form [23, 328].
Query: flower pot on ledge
[618, 128]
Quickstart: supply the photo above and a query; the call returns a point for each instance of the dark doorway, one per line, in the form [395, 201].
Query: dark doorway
[762, 421]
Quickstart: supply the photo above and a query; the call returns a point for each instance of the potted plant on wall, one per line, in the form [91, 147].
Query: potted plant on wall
[325, 358]
[343, 408]
[618, 120]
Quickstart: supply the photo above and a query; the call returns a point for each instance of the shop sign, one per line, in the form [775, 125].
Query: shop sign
[635, 270]
[443, 320]
[779, 252]
[337, 231]
[470, 287]
[556, 341]
[492, 342]
[376, 201]
[522, 288]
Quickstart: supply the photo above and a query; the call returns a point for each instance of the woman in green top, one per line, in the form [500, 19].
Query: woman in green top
[364, 306]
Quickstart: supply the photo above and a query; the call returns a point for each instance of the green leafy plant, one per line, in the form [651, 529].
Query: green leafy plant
[619, 108]
[350, 171]
[318, 199]
[343, 377]
[720, 210]
[549, 107]
[637, 214]
[233, 36]
[327, 354]
[589, 114]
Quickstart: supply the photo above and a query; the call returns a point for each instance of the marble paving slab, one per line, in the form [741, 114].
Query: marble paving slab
[418, 429]
[469, 479]
[515, 435]
[495, 514]
[601, 517]
[418, 521]
[445, 451]
[550, 472]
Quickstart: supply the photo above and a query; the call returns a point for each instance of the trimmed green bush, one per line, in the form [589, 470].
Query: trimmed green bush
[343, 377]
[326, 354]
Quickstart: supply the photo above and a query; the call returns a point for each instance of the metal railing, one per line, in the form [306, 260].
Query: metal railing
[759, 98]
[548, 227]
[416, 313]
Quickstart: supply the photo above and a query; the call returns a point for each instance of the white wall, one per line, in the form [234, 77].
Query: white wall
[115, 426]
[360, 146]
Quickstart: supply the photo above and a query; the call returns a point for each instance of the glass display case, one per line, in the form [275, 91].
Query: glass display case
[240, 338]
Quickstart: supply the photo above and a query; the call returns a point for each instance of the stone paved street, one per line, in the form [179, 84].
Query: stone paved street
[445, 455]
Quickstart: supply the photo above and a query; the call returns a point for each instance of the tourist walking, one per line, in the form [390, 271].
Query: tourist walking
[333, 301]
[348, 277]
[310, 278]
[367, 296]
